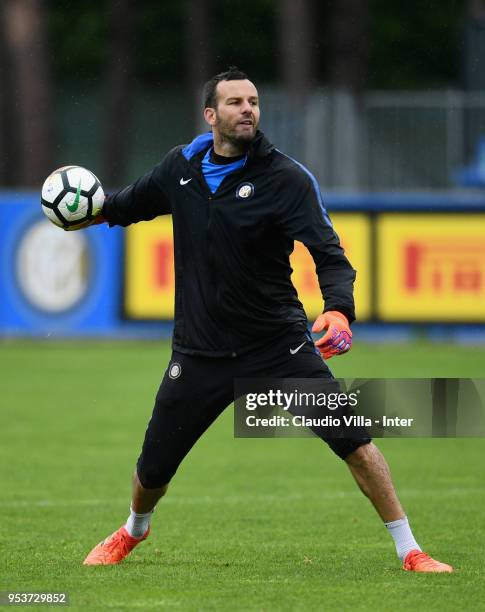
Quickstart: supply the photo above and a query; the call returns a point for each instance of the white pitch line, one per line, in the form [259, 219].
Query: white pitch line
[236, 499]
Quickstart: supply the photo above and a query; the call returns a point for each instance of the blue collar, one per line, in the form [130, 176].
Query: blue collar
[199, 143]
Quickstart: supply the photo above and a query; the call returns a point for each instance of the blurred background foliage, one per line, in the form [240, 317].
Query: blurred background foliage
[412, 44]
[416, 44]
[108, 71]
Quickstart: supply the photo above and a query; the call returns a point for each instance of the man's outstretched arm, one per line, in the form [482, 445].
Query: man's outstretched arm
[143, 200]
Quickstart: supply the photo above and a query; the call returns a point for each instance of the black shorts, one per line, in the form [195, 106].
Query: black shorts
[195, 391]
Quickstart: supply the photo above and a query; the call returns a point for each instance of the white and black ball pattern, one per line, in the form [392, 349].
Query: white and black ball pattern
[71, 195]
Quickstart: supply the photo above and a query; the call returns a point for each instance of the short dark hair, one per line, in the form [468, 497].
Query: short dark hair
[232, 74]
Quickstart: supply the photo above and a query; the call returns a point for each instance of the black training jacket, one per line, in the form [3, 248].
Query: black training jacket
[232, 273]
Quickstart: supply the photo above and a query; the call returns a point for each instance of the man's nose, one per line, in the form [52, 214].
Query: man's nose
[246, 107]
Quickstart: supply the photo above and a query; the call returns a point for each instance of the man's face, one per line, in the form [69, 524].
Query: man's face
[236, 116]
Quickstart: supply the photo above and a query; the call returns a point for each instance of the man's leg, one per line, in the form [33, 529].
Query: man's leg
[365, 461]
[186, 405]
[371, 472]
[144, 500]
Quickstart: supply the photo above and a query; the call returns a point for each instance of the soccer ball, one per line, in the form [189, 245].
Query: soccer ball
[71, 195]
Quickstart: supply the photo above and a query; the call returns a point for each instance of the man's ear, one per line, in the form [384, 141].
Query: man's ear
[210, 115]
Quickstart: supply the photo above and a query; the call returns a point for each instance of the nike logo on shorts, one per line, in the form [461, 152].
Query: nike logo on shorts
[185, 181]
[293, 351]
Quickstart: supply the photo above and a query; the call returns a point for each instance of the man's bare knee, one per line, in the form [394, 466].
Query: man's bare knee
[362, 456]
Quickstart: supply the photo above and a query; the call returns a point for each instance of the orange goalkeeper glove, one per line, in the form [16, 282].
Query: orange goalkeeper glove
[338, 338]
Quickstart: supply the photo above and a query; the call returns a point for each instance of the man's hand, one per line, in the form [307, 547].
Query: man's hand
[338, 338]
[94, 221]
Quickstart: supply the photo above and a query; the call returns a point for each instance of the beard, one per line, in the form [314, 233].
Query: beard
[229, 132]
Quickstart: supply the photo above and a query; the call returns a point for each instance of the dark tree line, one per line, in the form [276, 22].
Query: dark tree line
[27, 95]
[348, 44]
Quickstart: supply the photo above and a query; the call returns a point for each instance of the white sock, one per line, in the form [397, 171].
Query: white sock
[137, 524]
[402, 536]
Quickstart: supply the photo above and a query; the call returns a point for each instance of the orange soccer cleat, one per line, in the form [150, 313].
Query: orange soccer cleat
[114, 549]
[417, 561]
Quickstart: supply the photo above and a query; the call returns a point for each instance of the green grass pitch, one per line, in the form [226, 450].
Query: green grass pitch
[273, 524]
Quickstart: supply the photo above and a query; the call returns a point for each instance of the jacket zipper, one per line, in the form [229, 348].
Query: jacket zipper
[211, 197]
[213, 267]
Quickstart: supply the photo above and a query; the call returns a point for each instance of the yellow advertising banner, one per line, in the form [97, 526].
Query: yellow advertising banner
[431, 267]
[149, 269]
[354, 233]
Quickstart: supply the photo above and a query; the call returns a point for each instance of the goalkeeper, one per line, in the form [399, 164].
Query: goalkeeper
[238, 204]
